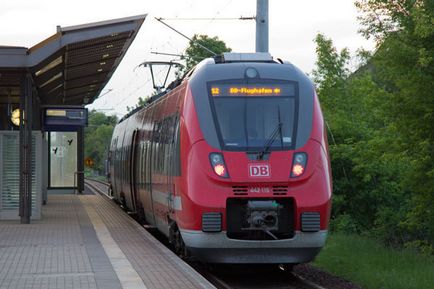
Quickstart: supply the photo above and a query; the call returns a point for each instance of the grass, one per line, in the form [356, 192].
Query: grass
[370, 265]
[88, 173]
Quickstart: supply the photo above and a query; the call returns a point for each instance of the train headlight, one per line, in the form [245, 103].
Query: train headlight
[298, 164]
[218, 165]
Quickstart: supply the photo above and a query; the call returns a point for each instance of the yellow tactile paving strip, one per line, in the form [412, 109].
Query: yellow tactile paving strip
[124, 270]
[156, 265]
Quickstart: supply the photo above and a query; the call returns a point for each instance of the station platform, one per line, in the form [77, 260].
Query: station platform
[86, 241]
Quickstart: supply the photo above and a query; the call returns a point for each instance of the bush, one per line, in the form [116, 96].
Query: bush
[420, 246]
[343, 223]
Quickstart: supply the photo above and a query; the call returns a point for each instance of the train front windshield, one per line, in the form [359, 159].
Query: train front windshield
[250, 117]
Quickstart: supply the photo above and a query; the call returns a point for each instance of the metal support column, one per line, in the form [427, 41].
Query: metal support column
[26, 149]
[80, 160]
[261, 25]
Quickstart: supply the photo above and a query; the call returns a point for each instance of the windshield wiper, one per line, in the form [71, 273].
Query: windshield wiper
[277, 131]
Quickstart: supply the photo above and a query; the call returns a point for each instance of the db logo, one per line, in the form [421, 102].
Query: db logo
[259, 170]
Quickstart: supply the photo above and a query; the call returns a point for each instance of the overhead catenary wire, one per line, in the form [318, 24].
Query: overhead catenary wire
[128, 94]
[209, 18]
[219, 11]
[185, 36]
[133, 91]
[168, 54]
[127, 91]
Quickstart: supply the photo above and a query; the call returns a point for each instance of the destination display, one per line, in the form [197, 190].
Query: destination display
[65, 118]
[252, 90]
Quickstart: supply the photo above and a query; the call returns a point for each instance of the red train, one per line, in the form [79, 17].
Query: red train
[231, 164]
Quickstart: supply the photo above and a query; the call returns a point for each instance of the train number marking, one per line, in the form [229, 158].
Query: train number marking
[259, 190]
[259, 171]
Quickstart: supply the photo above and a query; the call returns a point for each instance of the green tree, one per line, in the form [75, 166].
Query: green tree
[196, 53]
[404, 64]
[382, 123]
[141, 102]
[97, 138]
[367, 189]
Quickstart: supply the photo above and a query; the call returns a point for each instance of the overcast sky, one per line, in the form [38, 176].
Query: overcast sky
[293, 26]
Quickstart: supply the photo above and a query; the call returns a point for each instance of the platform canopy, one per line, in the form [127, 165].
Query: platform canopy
[72, 66]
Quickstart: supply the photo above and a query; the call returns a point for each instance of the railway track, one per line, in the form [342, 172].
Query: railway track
[235, 276]
[255, 277]
[101, 186]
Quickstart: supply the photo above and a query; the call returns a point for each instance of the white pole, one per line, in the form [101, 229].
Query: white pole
[261, 25]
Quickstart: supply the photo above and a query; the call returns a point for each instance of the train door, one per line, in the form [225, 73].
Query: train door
[158, 198]
[122, 170]
[112, 164]
[133, 169]
[172, 163]
[148, 203]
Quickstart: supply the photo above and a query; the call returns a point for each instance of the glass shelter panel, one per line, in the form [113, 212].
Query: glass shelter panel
[10, 171]
[63, 159]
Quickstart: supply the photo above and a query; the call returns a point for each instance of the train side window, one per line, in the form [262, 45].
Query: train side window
[162, 151]
[122, 166]
[148, 164]
[176, 162]
[166, 141]
[143, 171]
[166, 156]
[155, 147]
[125, 159]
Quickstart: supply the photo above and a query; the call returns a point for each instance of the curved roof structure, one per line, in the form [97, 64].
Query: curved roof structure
[70, 67]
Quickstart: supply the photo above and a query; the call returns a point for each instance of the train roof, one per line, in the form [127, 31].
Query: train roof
[230, 57]
[226, 57]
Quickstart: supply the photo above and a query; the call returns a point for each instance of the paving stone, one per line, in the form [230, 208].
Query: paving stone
[59, 251]
[63, 250]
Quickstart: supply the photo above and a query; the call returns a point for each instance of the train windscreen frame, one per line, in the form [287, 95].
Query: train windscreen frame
[252, 114]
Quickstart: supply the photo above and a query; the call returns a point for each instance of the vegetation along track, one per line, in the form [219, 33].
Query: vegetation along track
[238, 276]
